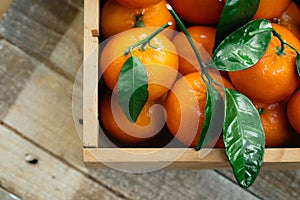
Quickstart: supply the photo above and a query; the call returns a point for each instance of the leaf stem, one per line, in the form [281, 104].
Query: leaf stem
[188, 36]
[147, 40]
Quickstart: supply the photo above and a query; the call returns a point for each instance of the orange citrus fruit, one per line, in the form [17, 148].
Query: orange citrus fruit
[149, 122]
[185, 105]
[116, 18]
[161, 62]
[206, 12]
[293, 111]
[291, 19]
[275, 123]
[274, 77]
[203, 36]
[269, 8]
[137, 3]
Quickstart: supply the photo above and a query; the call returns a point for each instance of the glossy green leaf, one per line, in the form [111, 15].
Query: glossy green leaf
[214, 117]
[244, 137]
[235, 14]
[244, 47]
[132, 88]
[298, 63]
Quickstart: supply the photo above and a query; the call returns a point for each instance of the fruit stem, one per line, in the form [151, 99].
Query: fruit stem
[283, 42]
[139, 20]
[188, 36]
[261, 111]
[147, 40]
[280, 50]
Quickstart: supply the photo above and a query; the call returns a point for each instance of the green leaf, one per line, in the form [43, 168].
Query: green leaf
[235, 14]
[132, 88]
[298, 63]
[244, 47]
[244, 137]
[214, 117]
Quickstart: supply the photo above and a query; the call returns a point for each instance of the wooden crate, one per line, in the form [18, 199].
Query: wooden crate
[94, 155]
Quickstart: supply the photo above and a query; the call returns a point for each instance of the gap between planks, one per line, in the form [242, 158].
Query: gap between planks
[231, 180]
[47, 63]
[117, 193]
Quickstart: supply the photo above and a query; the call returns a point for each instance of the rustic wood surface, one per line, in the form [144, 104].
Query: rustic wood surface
[40, 52]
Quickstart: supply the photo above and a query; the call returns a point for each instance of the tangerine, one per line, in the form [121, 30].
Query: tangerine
[161, 62]
[149, 122]
[203, 36]
[274, 77]
[293, 111]
[137, 3]
[116, 18]
[291, 19]
[185, 106]
[275, 123]
[204, 12]
[269, 9]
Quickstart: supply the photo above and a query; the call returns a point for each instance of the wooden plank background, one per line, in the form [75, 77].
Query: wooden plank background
[41, 45]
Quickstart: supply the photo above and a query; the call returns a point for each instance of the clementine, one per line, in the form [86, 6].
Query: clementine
[293, 111]
[149, 122]
[274, 77]
[161, 62]
[291, 19]
[116, 18]
[206, 12]
[185, 105]
[269, 9]
[275, 123]
[203, 36]
[137, 3]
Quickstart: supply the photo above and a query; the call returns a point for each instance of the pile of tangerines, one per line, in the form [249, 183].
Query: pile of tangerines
[272, 83]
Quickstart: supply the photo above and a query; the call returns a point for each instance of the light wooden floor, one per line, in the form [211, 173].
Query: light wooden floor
[41, 45]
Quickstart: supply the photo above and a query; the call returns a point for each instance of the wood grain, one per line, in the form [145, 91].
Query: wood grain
[280, 158]
[15, 69]
[76, 3]
[39, 28]
[90, 74]
[274, 184]
[173, 184]
[43, 110]
[49, 178]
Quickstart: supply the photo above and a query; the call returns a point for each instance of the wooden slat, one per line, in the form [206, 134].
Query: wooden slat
[281, 158]
[173, 184]
[12, 77]
[90, 74]
[274, 184]
[49, 178]
[40, 28]
[47, 95]
[178, 158]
